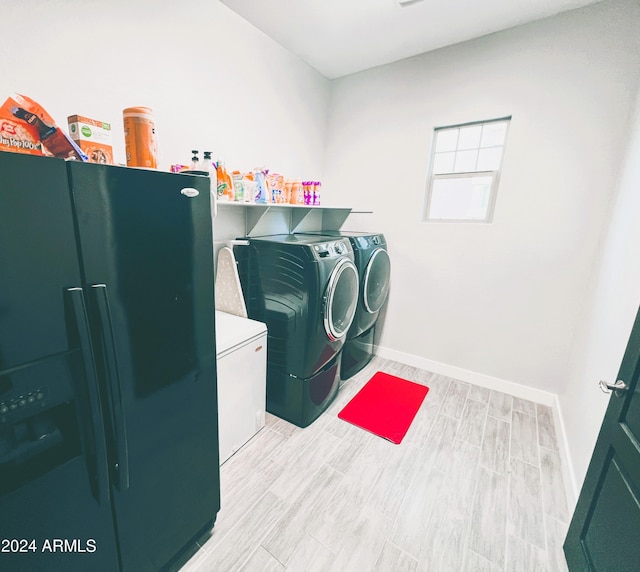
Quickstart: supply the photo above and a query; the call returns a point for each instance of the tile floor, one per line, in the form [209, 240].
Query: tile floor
[475, 485]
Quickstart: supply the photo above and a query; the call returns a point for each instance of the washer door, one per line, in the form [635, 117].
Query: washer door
[375, 285]
[341, 299]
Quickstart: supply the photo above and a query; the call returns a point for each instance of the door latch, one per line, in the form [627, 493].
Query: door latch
[618, 387]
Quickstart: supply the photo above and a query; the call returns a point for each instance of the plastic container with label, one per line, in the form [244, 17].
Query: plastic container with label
[140, 137]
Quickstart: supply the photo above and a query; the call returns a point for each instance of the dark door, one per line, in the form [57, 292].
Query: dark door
[147, 259]
[603, 534]
[55, 512]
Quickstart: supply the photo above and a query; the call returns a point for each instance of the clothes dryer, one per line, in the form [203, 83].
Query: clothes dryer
[305, 288]
[374, 269]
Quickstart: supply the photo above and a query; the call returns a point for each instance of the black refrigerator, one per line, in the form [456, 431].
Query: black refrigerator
[108, 400]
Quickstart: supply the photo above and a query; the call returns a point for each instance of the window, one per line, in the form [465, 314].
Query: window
[464, 171]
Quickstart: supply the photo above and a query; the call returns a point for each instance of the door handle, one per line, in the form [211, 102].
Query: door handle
[114, 390]
[96, 454]
[618, 387]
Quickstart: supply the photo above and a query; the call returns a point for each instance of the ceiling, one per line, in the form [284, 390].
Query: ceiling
[340, 37]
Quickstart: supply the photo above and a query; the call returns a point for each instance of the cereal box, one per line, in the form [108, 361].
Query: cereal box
[93, 137]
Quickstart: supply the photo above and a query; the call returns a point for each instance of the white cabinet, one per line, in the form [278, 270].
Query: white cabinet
[241, 346]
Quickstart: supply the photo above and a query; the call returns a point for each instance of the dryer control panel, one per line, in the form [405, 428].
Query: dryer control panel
[331, 249]
[370, 241]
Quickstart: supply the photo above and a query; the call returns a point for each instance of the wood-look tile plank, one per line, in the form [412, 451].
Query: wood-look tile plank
[347, 450]
[364, 546]
[262, 561]
[394, 367]
[281, 426]
[495, 446]
[290, 529]
[555, 533]
[337, 521]
[396, 472]
[333, 525]
[441, 442]
[525, 514]
[375, 365]
[237, 468]
[553, 491]
[303, 465]
[524, 557]
[500, 405]
[195, 564]
[481, 394]
[471, 428]
[394, 559]
[524, 406]
[409, 373]
[453, 404]
[415, 513]
[438, 387]
[423, 422]
[346, 394]
[236, 547]
[487, 534]
[546, 429]
[460, 472]
[444, 539]
[310, 556]
[524, 438]
[476, 563]
[401, 370]
[424, 377]
[238, 498]
[368, 464]
[338, 427]
[290, 451]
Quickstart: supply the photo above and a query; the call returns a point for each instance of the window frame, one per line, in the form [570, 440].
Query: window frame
[494, 174]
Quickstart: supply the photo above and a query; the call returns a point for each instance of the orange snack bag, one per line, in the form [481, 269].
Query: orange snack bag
[25, 127]
[16, 134]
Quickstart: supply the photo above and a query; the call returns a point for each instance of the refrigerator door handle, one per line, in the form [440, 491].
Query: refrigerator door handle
[114, 390]
[93, 433]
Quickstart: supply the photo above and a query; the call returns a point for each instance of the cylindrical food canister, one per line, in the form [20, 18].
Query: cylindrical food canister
[140, 137]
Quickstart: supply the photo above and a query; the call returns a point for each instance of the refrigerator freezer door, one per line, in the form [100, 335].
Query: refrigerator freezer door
[38, 258]
[53, 478]
[150, 246]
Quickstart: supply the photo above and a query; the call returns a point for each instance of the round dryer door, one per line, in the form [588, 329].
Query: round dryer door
[375, 285]
[341, 299]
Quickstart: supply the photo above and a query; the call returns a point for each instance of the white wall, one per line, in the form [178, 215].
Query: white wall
[610, 310]
[502, 299]
[213, 80]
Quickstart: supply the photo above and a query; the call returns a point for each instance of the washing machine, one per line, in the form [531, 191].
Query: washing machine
[374, 269]
[305, 288]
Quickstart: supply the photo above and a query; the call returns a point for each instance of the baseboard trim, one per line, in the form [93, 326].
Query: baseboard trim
[487, 381]
[572, 490]
[505, 386]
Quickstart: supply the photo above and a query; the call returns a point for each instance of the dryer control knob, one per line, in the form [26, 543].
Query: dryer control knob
[339, 248]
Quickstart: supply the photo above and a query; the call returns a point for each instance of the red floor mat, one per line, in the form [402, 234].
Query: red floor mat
[385, 406]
